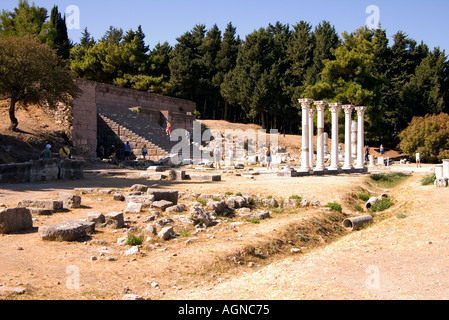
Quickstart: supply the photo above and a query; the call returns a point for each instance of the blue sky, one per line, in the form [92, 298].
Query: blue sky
[165, 20]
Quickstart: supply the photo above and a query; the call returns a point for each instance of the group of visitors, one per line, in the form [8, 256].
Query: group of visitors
[64, 153]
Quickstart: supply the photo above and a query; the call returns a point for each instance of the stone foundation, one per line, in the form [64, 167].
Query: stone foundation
[41, 170]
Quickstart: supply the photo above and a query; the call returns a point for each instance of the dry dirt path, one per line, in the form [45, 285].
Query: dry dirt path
[395, 259]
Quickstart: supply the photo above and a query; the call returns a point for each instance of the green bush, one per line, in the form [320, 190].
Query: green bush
[134, 240]
[363, 196]
[428, 135]
[334, 206]
[429, 180]
[389, 179]
[382, 205]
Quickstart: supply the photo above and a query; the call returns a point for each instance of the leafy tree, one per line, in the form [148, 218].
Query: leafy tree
[428, 135]
[30, 72]
[226, 62]
[24, 20]
[352, 78]
[56, 34]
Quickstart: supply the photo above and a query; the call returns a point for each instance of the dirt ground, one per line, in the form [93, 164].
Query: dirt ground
[392, 259]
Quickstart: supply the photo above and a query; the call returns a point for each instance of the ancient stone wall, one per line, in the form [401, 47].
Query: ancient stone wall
[154, 107]
[41, 170]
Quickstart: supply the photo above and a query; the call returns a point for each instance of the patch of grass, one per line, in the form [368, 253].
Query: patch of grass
[203, 202]
[401, 215]
[382, 205]
[334, 206]
[185, 233]
[229, 193]
[429, 180]
[363, 196]
[216, 199]
[295, 197]
[134, 240]
[358, 208]
[389, 179]
[238, 194]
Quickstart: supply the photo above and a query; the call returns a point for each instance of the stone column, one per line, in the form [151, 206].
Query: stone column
[335, 110]
[305, 104]
[446, 168]
[320, 106]
[311, 136]
[354, 140]
[348, 128]
[360, 137]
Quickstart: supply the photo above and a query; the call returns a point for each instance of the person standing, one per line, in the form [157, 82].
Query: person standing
[268, 158]
[217, 157]
[127, 151]
[366, 153]
[382, 151]
[418, 160]
[144, 152]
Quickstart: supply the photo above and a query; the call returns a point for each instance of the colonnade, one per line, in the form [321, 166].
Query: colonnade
[308, 134]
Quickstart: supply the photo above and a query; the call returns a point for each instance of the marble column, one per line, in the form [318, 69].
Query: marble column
[354, 141]
[348, 128]
[320, 107]
[305, 104]
[446, 168]
[360, 137]
[311, 136]
[335, 110]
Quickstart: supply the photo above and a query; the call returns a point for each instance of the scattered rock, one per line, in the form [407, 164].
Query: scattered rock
[132, 297]
[133, 207]
[167, 195]
[200, 216]
[114, 220]
[167, 233]
[97, 217]
[162, 204]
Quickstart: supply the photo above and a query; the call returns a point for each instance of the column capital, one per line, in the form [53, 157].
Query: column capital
[348, 108]
[305, 103]
[361, 110]
[312, 112]
[320, 105]
[334, 107]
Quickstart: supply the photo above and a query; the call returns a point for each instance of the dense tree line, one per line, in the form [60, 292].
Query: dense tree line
[259, 78]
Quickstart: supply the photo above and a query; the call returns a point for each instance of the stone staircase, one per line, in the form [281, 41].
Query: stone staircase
[121, 125]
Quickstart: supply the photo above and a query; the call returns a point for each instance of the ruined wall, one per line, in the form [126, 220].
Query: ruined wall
[155, 107]
[41, 170]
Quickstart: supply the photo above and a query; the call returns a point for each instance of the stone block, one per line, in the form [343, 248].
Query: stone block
[161, 194]
[43, 204]
[133, 207]
[167, 233]
[114, 220]
[70, 200]
[162, 204]
[70, 230]
[15, 220]
[97, 217]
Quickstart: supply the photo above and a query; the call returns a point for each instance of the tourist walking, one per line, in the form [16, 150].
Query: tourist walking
[366, 153]
[382, 151]
[168, 130]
